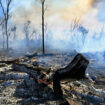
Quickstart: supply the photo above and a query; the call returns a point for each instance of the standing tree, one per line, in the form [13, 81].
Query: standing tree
[43, 25]
[26, 30]
[43, 11]
[2, 29]
[6, 15]
[1, 21]
[13, 29]
[29, 32]
[84, 33]
[73, 27]
[3, 33]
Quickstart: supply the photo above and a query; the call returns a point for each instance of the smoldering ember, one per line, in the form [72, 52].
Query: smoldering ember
[52, 52]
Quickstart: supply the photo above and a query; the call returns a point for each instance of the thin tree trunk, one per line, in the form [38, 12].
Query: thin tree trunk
[3, 33]
[3, 41]
[27, 40]
[7, 38]
[43, 46]
[7, 42]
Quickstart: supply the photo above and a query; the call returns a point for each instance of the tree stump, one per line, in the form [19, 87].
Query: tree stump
[75, 70]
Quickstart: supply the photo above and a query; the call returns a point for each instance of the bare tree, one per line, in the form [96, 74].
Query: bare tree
[2, 30]
[3, 34]
[43, 24]
[6, 14]
[84, 33]
[26, 31]
[43, 11]
[73, 27]
[33, 34]
[75, 24]
[1, 21]
[29, 32]
[13, 29]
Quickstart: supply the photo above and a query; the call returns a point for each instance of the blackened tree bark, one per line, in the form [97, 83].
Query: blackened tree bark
[43, 46]
[43, 25]
[74, 70]
[43, 11]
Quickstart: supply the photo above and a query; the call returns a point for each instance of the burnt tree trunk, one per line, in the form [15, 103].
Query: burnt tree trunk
[6, 31]
[43, 46]
[75, 70]
[3, 41]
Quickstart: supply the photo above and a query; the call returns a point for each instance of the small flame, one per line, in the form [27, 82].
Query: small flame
[16, 62]
[45, 82]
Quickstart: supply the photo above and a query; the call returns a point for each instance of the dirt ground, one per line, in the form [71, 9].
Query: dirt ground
[19, 88]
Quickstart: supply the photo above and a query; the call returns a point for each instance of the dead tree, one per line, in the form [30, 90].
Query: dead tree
[75, 70]
[74, 26]
[6, 16]
[29, 32]
[3, 34]
[13, 29]
[43, 11]
[1, 21]
[26, 30]
[84, 33]
[43, 25]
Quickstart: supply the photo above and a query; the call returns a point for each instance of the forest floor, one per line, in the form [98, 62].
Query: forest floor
[19, 88]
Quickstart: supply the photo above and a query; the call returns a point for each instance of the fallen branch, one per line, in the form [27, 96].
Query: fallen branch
[32, 71]
[10, 61]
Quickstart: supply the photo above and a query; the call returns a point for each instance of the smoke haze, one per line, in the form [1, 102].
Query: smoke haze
[58, 19]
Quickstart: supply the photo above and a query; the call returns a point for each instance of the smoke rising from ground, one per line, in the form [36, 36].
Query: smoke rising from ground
[58, 19]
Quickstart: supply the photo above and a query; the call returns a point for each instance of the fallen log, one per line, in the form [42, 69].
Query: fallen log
[90, 98]
[9, 61]
[15, 76]
[2, 65]
[34, 68]
[34, 71]
[31, 55]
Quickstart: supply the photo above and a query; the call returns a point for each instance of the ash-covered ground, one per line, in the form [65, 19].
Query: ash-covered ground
[20, 88]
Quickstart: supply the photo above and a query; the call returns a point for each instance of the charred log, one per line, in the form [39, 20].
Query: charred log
[10, 61]
[33, 71]
[2, 65]
[75, 70]
[31, 55]
[28, 70]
